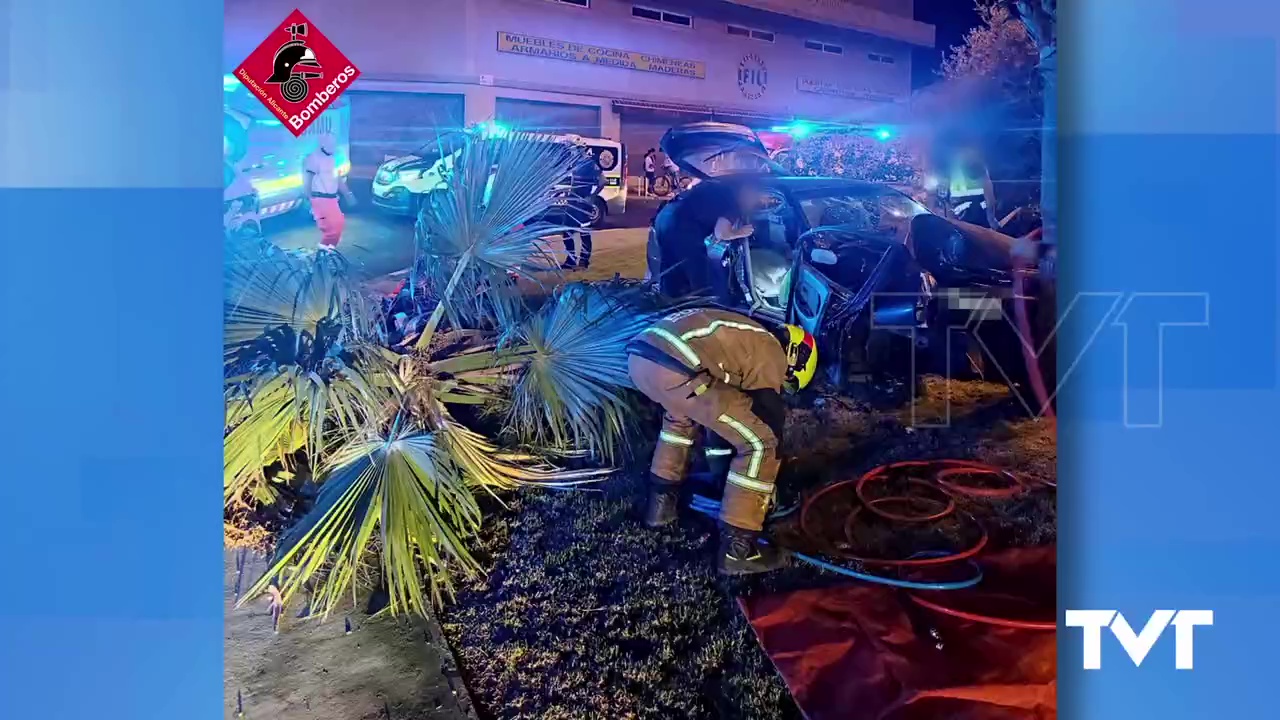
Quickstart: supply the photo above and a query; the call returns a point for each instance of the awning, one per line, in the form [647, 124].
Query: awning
[702, 111]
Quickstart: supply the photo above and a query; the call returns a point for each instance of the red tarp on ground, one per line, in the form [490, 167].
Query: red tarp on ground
[857, 652]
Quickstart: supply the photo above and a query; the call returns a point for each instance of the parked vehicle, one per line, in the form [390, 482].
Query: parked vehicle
[887, 287]
[268, 155]
[402, 184]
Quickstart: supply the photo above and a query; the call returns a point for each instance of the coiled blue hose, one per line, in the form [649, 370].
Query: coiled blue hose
[711, 508]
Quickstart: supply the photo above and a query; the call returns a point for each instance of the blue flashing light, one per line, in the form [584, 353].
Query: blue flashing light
[796, 129]
[883, 133]
[493, 129]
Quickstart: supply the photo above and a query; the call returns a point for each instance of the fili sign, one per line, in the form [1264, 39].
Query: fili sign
[521, 44]
[835, 89]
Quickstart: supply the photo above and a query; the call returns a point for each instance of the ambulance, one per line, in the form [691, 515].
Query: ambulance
[260, 152]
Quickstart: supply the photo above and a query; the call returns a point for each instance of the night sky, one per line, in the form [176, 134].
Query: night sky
[952, 18]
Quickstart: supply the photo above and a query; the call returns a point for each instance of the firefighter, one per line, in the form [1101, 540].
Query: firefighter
[724, 372]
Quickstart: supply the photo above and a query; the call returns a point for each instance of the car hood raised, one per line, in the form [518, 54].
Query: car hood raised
[714, 149]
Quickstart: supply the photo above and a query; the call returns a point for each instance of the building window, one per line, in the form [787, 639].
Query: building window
[824, 47]
[740, 31]
[877, 57]
[661, 16]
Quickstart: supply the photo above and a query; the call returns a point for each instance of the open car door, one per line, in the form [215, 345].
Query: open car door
[714, 149]
[855, 294]
[811, 295]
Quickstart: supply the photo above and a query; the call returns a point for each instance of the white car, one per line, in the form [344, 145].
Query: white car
[402, 183]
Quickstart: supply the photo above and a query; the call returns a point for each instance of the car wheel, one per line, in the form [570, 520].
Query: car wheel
[598, 213]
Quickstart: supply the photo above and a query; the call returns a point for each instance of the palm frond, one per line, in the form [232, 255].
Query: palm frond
[488, 220]
[277, 411]
[292, 351]
[268, 291]
[415, 489]
[571, 392]
[410, 490]
[484, 465]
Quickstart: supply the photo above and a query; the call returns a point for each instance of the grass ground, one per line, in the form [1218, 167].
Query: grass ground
[586, 613]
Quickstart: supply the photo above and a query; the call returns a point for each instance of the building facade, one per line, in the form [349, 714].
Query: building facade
[622, 69]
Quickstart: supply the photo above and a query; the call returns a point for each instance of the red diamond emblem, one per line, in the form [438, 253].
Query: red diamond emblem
[296, 72]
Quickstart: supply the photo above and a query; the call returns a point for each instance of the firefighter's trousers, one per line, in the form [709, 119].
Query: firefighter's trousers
[729, 413]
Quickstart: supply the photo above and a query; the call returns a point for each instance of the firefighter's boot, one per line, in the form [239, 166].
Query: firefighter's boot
[742, 552]
[664, 501]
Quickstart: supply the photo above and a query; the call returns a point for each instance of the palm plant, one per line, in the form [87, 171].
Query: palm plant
[413, 483]
[571, 392]
[293, 360]
[398, 472]
[264, 290]
[300, 390]
[487, 222]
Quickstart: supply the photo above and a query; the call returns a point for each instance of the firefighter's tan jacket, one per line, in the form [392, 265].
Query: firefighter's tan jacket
[732, 348]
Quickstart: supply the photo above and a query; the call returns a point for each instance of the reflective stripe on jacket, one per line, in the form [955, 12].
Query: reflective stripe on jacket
[733, 348]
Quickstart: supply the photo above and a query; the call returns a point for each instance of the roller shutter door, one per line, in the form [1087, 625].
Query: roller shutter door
[559, 118]
[390, 124]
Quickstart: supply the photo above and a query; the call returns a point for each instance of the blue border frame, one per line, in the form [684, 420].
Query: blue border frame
[1167, 426]
[109, 220]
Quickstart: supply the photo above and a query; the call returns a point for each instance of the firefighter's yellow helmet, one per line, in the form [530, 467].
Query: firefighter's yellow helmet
[802, 356]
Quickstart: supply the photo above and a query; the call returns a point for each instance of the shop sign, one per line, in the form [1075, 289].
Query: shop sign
[753, 76]
[521, 44]
[835, 89]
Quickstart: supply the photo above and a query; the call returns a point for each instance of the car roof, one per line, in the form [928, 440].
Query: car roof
[808, 184]
[803, 184]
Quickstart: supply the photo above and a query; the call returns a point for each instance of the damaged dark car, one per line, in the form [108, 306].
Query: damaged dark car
[889, 289]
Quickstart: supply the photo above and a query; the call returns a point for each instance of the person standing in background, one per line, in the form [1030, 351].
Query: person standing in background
[650, 171]
[585, 181]
[321, 187]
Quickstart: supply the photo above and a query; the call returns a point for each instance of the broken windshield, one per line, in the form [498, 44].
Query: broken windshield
[878, 210]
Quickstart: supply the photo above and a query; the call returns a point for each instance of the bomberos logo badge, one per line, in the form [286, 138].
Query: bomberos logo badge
[753, 76]
[296, 72]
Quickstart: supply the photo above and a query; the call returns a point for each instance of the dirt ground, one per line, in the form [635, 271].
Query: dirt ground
[382, 669]
[586, 613]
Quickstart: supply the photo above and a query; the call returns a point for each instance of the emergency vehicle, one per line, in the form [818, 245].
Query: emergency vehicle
[402, 183]
[260, 151]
